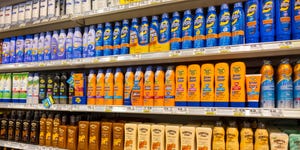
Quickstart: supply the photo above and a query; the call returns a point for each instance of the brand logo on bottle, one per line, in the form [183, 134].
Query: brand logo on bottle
[211, 20]
[251, 10]
[235, 16]
[267, 7]
[124, 32]
[175, 25]
[297, 5]
[285, 4]
[144, 29]
[98, 35]
[198, 22]
[186, 23]
[163, 26]
[116, 33]
[225, 18]
[107, 34]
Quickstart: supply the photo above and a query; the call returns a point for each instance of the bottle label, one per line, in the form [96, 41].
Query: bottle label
[69, 46]
[251, 18]
[144, 34]
[175, 34]
[187, 31]
[41, 49]
[154, 33]
[99, 42]
[12, 51]
[107, 39]
[211, 30]
[91, 44]
[285, 93]
[285, 16]
[125, 37]
[267, 93]
[54, 48]
[20, 50]
[116, 38]
[225, 29]
[77, 46]
[61, 46]
[199, 32]
[47, 46]
[164, 31]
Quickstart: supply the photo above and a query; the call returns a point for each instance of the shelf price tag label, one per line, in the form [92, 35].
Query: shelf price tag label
[90, 107]
[210, 111]
[113, 58]
[6, 28]
[108, 109]
[22, 25]
[168, 110]
[42, 64]
[181, 110]
[285, 45]
[255, 112]
[199, 51]
[275, 112]
[175, 53]
[147, 109]
[239, 112]
[96, 60]
[130, 109]
[296, 43]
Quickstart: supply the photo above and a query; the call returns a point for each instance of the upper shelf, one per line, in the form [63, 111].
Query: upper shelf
[109, 14]
[282, 48]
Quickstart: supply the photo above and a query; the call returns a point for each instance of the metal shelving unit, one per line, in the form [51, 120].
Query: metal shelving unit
[201, 54]
[151, 110]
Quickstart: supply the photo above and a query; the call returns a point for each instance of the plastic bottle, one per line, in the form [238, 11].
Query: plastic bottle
[159, 86]
[91, 89]
[47, 46]
[77, 43]
[56, 85]
[297, 85]
[296, 19]
[100, 87]
[85, 42]
[54, 45]
[107, 39]
[118, 87]
[246, 142]
[144, 34]
[28, 48]
[218, 140]
[117, 38]
[149, 87]
[238, 24]
[261, 137]
[134, 33]
[165, 30]
[129, 82]
[267, 20]
[69, 44]
[283, 20]
[284, 85]
[212, 27]
[35, 43]
[175, 41]
[170, 87]
[5, 51]
[252, 21]
[41, 47]
[125, 37]
[267, 86]
[109, 87]
[199, 28]
[232, 136]
[19, 49]
[224, 26]
[99, 40]
[154, 34]
[187, 30]
[91, 41]
[12, 51]
[61, 54]
[137, 96]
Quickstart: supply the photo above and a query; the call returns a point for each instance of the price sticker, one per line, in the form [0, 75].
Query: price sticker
[255, 112]
[275, 112]
[181, 110]
[175, 53]
[90, 107]
[64, 17]
[199, 51]
[239, 112]
[113, 58]
[42, 64]
[130, 108]
[224, 51]
[296, 43]
[147, 109]
[6, 28]
[96, 60]
[285, 45]
[168, 110]
[108, 109]
[22, 25]
[211, 111]
[64, 62]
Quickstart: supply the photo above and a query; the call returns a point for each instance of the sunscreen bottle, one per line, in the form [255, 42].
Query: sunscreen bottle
[187, 30]
[267, 99]
[137, 96]
[252, 21]
[238, 24]
[28, 48]
[154, 34]
[283, 20]
[212, 27]
[297, 85]
[91, 90]
[54, 45]
[109, 87]
[237, 89]
[296, 19]
[107, 39]
[143, 37]
[100, 87]
[129, 82]
[267, 20]
[199, 28]
[284, 85]
[20, 49]
[224, 26]
[118, 87]
[117, 38]
[12, 50]
[99, 40]
[181, 85]
[69, 44]
[164, 33]
[41, 47]
[134, 33]
[85, 42]
[91, 41]
[61, 54]
[77, 43]
[221, 85]
[193, 96]
[175, 41]
[148, 86]
[207, 85]
[170, 85]
[35, 43]
[159, 87]
[125, 37]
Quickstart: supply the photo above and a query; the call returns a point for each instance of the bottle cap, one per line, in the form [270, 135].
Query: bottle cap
[154, 18]
[224, 6]
[237, 5]
[125, 22]
[117, 24]
[199, 11]
[176, 14]
[149, 68]
[187, 12]
[165, 16]
[211, 8]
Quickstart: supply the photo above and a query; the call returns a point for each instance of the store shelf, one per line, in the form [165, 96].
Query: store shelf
[283, 48]
[193, 111]
[109, 14]
[16, 145]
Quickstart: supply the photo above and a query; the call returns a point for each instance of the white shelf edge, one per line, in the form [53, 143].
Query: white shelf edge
[17, 145]
[287, 113]
[280, 48]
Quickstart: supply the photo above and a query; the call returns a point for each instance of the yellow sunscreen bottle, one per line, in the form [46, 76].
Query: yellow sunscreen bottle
[181, 85]
[207, 85]
[232, 136]
[246, 142]
[109, 87]
[91, 90]
[170, 86]
[129, 82]
[221, 85]
[149, 87]
[159, 87]
[118, 87]
[261, 137]
[193, 85]
[218, 141]
[137, 95]
[237, 89]
[100, 88]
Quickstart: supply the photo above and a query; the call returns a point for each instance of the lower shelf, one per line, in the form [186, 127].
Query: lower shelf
[16, 145]
[195, 111]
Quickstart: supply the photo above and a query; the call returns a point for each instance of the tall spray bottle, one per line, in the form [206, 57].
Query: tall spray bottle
[267, 86]
[252, 21]
[211, 27]
[224, 26]
[238, 24]
[267, 20]
[283, 20]
[199, 28]
[284, 85]
[297, 85]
